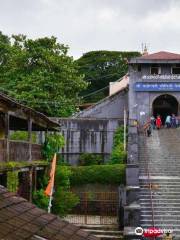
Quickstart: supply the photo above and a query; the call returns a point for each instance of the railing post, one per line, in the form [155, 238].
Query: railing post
[30, 138]
[30, 183]
[122, 203]
[7, 135]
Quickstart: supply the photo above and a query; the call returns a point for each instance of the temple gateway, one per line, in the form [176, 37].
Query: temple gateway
[154, 86]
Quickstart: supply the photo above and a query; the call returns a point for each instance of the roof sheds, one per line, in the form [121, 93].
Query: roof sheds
[20, 219]
[159, 57]
[20, 112]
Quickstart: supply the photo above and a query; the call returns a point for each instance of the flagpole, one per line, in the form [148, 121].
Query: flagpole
[50, 188]
[50, 203]
[124, 129]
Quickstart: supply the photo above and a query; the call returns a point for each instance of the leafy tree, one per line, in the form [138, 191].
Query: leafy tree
[102, 67]
[40, 73]
[52, 144]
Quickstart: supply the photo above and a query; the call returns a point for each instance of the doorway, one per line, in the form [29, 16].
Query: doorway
[165, 105]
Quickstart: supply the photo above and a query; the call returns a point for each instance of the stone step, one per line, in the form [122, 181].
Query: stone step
[160, 204]
[163, 201]
[160, 212]
[104, 232]
[163, 221]
[160, 185]
[106, 237]
[161, 217]
[160, 181]
[108, 227]
[159, 178]
[176, 227]
[159, 207]
[159, 190]
[162, 173]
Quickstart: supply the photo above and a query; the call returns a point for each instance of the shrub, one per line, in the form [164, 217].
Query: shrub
[64, 200]
[12, 180]
[118, 154]
[40, 199]
[22, 136]
[61, 161]
[104, 174]
[87, 159]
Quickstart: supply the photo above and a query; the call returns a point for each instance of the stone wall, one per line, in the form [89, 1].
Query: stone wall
[87, 136]
[110, 107]
[92, 130]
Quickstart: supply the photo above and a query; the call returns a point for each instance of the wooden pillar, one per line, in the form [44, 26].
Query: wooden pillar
[35, 179]
[7, 135]
[30, 138]
[30, 184]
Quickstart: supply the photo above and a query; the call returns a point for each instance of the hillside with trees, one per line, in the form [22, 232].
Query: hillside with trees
[100, 68]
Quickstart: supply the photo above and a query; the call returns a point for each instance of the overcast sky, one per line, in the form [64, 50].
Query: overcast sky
[87, 25]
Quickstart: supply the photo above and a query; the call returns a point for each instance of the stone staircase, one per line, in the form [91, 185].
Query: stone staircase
[104, 232]
[162, 151]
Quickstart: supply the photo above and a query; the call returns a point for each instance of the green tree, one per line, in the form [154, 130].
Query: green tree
[40, 73]
[102, 67]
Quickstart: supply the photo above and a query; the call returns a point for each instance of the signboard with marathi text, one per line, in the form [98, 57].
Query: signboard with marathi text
[161, 77]
[156, 87]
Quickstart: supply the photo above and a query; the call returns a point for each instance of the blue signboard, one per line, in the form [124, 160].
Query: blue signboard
[156, 87]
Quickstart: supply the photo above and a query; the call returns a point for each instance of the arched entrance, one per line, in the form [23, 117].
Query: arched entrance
[164, 105]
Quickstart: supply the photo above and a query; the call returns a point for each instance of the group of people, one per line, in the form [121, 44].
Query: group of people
[171, 121]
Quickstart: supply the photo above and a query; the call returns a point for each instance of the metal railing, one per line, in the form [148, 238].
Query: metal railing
[144, 128]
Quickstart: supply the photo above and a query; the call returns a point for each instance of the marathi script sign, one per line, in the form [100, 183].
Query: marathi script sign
[156, 87]
[161, 77]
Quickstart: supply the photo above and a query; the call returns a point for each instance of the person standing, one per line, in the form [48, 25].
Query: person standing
[168, 121]
[158, 122]
[152, 120]
[173, 121]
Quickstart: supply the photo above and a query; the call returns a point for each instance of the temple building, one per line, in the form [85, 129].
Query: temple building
[154, 86]
[151, 87]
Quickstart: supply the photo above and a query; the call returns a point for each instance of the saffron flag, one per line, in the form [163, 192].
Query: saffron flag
[50, 186]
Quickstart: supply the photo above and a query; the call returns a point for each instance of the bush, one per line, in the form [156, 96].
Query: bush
[87, 159]
[118, 154]
[61, 161]
[40, 199]
[22, 136]
[63, 200]
[104, 174]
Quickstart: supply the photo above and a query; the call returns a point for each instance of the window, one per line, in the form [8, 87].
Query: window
[175, 69]
[155, 70]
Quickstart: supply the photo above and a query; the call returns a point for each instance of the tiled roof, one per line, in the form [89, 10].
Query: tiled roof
[20, 219]
[161, 56]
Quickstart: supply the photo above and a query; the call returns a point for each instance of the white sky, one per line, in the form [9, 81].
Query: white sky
[87, 25]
